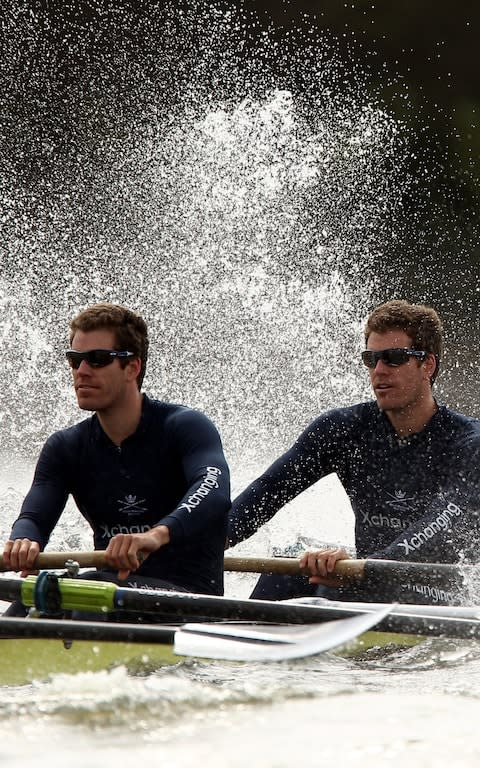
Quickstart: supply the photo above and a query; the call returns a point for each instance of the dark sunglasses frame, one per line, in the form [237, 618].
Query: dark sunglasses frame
[96, 358]
[392, 357]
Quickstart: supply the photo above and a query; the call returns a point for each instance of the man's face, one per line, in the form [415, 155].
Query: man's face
[98, 389]
[404, 386]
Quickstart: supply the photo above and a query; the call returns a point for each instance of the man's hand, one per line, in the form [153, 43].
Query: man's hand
[127, 551]
[320, 565]
[20, 555]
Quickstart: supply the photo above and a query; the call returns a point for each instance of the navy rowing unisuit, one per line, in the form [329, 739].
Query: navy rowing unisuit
[414, 499]
[171, 471]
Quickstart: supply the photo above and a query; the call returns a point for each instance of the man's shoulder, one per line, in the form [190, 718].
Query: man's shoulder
[349, 415]
[73, 434]
[461, 427]
[460, 421]
[65, 446]
[343, 422]
[173, 414]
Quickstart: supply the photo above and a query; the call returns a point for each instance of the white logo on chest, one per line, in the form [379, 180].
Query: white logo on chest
[130, 505]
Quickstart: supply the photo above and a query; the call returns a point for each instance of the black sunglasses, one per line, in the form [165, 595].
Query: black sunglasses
[392, 357]
[96, 358]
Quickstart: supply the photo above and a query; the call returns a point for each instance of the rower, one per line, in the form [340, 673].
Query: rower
[150, 477]
[409, 465]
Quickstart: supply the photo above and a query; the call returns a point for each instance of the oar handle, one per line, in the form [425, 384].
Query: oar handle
[377, 574]
[351, 569]
[94, 559]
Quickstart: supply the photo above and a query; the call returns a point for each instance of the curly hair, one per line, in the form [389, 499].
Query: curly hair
[130, 330]
[419, 322]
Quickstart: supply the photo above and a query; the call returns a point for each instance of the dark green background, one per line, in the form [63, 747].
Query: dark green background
[421, 59]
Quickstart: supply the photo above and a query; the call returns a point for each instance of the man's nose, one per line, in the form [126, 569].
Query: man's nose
[83, 367]
[382, 364]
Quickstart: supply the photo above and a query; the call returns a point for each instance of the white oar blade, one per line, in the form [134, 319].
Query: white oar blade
[270, 643]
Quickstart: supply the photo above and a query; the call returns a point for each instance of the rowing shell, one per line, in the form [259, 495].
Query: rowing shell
[38, 658]
[293, 629]
[26, 660]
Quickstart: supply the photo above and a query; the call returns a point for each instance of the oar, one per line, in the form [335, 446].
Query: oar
[351, 569]
[354, 569]
[95, 559]
[83, 595]
[103, 631]
[278, 643]
[441, 575]
[384, 574]
[241, 642]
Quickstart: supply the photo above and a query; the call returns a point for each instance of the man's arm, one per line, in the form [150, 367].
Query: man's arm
[303, 464]
[448, 532]
[41, 509]
[207, 498]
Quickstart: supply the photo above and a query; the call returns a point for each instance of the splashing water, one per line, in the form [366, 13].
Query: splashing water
[240, 211]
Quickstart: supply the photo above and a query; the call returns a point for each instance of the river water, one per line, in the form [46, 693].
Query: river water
[418, 705]
[246, 215]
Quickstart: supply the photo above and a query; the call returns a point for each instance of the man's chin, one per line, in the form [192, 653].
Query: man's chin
[386, 398]
[86, 403]
[386, 404]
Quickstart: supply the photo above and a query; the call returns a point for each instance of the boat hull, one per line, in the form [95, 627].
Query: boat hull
[25, 660]
[28, 659]
[370, 640]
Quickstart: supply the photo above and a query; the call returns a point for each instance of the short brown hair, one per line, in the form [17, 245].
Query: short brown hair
[419, 322]
[130, 330]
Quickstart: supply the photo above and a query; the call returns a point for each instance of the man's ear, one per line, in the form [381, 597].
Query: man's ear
[133, 368]
[431, 365]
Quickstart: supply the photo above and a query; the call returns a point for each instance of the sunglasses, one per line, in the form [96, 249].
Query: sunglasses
[96, 358]
[392, 357]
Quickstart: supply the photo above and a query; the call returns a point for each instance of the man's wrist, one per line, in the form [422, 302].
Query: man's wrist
[162, 534]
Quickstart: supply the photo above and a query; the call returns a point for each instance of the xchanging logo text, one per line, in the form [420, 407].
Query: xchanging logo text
[441, 523]
[209, 482]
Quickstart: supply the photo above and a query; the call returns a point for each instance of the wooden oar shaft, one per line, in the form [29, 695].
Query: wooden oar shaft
[348, 569]
[352, 569]
[44, 560]
[282, 565]
[96, 559]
